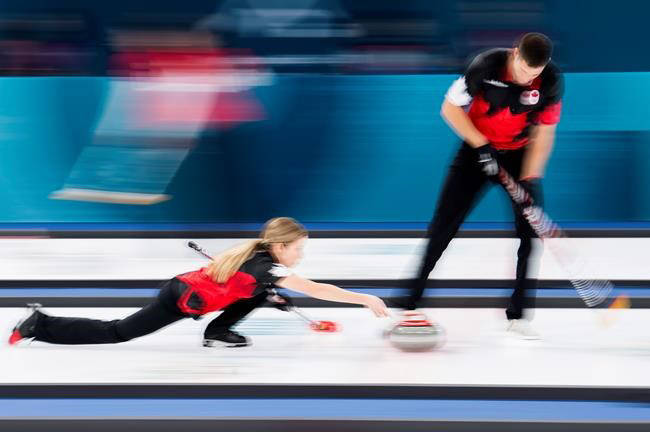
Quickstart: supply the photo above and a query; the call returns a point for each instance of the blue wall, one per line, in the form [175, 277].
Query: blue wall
[331, 149]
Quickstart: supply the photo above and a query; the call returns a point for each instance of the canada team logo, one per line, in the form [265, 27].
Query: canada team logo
[529, 97]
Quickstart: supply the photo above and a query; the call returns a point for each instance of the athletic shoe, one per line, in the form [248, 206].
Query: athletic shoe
[228, 339]
[523, 329]
[26, 327]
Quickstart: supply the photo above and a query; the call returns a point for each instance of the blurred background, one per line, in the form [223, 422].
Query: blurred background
[326, 110]
[129, 126]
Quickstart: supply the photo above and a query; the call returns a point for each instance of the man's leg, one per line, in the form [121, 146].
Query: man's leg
[523, 296]
[464, 183]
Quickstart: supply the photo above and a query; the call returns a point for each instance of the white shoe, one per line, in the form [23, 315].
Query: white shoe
[523, 329]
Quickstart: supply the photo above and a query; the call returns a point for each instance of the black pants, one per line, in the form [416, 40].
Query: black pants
[72, 331]
[160, 313]
[234, 313]
[465, 183]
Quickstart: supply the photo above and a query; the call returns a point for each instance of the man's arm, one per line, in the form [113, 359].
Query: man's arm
[538, 151]
[459, 121]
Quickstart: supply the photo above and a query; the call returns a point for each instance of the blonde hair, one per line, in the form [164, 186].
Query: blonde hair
[277, 230]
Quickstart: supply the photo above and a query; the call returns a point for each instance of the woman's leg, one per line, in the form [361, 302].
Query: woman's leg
[64, 330]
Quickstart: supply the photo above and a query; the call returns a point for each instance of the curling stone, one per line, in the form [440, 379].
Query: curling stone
[415, 333]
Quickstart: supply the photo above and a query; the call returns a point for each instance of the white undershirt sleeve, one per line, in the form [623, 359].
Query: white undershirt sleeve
[457, 93]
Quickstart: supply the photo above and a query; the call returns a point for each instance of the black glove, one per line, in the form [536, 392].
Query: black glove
[280, 301]
[533, 186]
[487, 159]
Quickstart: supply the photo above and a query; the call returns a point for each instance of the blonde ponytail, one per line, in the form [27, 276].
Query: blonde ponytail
[227, 263]
[276, 230]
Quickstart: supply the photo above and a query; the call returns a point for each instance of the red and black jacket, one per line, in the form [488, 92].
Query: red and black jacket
[203, 295]
[504, 111]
